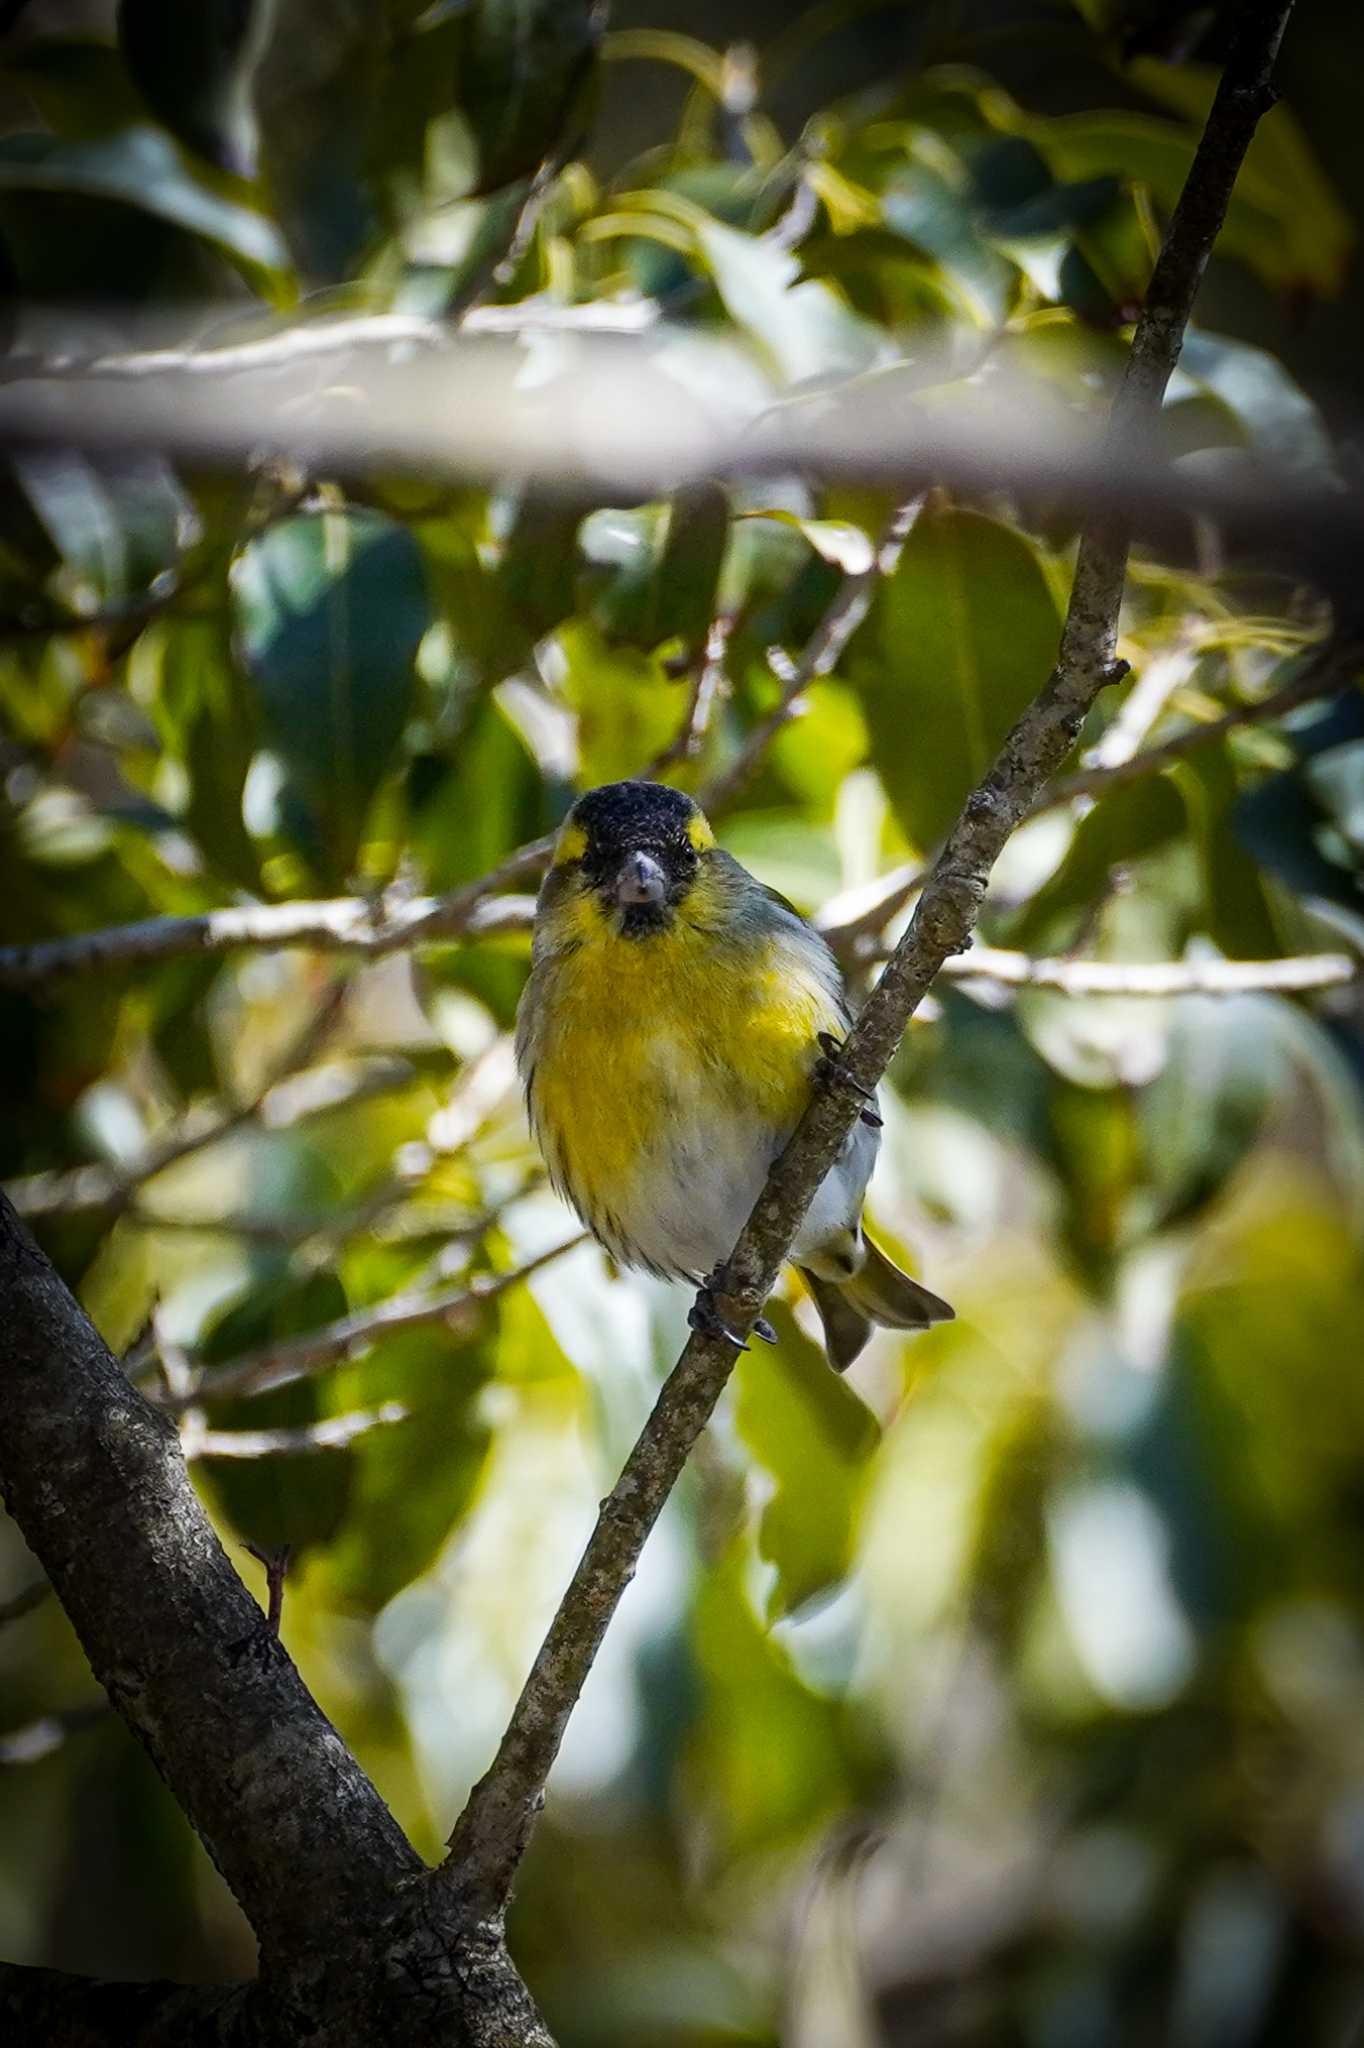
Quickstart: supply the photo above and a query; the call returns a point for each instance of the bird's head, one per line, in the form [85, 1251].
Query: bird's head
[627, 857]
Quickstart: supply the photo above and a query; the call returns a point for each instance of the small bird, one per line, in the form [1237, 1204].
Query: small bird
[677, 1016]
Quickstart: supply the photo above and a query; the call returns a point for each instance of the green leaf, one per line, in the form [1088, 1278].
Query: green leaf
[836, 540]
[805, 328]
[814, 1438]
[116, 523]
[965, 633]
[932, 206]
[1282, 223]
[1279, 420]
[314, 98]
[142, 168]
[653, 571]
[330, 609]
[526, 67]
[766, 1750]
[208, 720]
[297, 1500]
[80, 88]
[1240, 914]
[412, 1479]
[1281, 172]
[1223, 1069]
[1124, 827]
[467, 811]
[536, 576]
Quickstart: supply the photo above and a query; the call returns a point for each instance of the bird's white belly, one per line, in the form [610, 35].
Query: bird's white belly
[694, 1189]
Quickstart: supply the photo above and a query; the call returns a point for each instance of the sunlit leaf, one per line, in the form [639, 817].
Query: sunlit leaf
[837, 540]
[805, 328]
[627, 708]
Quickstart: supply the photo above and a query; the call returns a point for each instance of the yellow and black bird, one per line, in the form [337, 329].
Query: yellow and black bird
[673, 1026]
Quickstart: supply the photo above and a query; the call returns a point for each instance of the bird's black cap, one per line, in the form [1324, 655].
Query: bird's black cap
[623, 815]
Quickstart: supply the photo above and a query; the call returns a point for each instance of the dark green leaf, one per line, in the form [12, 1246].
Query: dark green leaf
[965, 634]
[193, 67]
[525, 72]
[297, 1500]
[209, 721]
[1223, 1069]
[412, 1479]
[1123, 827]
[330, 609]
[814, 1438]
[142, 168]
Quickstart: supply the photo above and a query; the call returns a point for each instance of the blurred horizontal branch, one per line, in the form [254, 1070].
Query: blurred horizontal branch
[333, 1433]
[353, 924]
[613, 418]
[277, 1365]
[398, 335]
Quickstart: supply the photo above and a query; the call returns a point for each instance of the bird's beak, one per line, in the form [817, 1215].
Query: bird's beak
[641, 880]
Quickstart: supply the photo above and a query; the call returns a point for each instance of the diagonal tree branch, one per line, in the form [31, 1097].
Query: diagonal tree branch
[279, 1365]
[488, 1840]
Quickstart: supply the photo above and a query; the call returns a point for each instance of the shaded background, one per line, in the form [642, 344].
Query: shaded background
[1010, 1691]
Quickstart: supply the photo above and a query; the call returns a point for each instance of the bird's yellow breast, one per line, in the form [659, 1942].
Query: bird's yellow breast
[666, 1042]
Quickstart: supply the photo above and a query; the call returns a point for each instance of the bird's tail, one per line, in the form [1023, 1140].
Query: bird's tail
[877, 1293]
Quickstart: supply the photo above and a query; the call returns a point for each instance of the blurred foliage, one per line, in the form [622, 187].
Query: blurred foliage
[1009, 1692]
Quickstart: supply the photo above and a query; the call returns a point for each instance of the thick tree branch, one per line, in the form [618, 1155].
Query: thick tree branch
[95, 1480]
[61, 2011]
[490, 1836]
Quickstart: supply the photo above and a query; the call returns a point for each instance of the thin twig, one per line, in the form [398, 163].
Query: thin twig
[277, 1365]
[1292, 976]
[491, 1834]
[276, 1564]
[709, 688]
[114, 1188]
[332, 1433]
[822, 653]
[345, 923]
[1323, 674]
